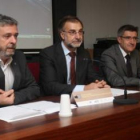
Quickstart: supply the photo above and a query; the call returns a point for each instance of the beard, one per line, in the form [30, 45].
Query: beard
[8, 52]
[75, 44]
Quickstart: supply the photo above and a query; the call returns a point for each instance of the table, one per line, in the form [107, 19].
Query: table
[106, 121]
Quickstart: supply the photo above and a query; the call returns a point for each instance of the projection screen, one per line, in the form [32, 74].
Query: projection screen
[35, 21]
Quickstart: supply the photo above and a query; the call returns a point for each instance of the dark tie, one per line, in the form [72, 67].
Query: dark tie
[128, 66]
[72, 68]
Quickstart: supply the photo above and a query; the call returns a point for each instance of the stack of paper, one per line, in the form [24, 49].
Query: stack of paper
[24, 111]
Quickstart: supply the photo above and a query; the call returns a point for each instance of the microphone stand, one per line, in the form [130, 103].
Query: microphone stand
[124, 101]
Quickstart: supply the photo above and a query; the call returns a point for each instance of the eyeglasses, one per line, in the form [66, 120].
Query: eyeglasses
[73, 33]
[129, 38]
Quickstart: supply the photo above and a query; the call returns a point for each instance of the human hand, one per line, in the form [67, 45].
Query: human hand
[93, 86]
[7, 97]
[97, 84]
[104, 84]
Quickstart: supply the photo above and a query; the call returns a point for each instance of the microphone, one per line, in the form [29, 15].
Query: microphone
[124, 101]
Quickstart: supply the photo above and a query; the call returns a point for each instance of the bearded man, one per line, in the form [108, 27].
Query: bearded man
[66, 66]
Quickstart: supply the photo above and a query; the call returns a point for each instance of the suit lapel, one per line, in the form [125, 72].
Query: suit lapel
[133, 63]
[121, 60]
[61, 61]
[17, 74]
[79, 67]
[80, 64]
[2, 80]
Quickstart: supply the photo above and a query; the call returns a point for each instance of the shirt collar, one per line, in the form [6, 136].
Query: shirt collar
[123, 52]
[66, 51]
[7, 63]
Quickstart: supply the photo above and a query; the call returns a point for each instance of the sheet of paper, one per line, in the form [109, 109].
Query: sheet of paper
[94, 102]
[118, 92]
[24, 111]
[45, 106]
[15, 113]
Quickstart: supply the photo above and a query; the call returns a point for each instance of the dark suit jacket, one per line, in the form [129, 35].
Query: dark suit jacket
[113, 58]
[53, 71]
[24, 84]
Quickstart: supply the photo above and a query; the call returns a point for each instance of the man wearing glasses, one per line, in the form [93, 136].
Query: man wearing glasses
[66, 66]
[123, 58]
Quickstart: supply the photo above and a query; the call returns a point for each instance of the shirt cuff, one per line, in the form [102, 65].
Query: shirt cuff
[79, 88]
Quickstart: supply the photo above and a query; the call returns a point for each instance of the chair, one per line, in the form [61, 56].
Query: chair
[35, 69]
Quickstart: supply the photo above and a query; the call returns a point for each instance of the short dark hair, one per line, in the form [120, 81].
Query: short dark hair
[6, 20]
[68, 18]
[127, 27]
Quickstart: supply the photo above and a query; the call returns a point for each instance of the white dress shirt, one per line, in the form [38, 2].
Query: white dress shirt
[9, 76]
[68, 59]
[123, 53]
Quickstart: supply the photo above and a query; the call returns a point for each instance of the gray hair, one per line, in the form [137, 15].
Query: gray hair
[6, 20]
[127, 27]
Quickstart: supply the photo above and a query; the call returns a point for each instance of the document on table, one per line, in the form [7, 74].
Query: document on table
[24, 111]
[98, 96]
[118, 92]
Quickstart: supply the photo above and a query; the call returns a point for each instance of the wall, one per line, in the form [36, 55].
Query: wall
[102, 18]
[60, 9]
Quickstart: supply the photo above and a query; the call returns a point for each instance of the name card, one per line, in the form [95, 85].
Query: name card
[91, 97]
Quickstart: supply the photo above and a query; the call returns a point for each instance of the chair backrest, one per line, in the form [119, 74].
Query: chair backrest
[35, 69]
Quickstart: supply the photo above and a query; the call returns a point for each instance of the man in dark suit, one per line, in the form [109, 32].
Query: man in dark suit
[56, 71]
[17, 85]
[123, 58]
